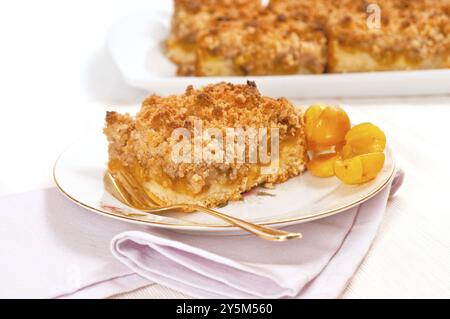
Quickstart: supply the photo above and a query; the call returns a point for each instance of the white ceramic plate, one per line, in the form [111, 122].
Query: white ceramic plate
[79, 175]
[135, 44]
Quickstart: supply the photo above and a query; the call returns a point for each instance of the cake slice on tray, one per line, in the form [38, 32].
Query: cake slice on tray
[194, 18]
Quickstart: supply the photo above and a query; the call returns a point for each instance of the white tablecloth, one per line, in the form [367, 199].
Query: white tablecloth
[57, 81]
[410, 257]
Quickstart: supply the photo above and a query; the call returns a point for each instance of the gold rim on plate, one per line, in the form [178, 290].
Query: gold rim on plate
[197, 226]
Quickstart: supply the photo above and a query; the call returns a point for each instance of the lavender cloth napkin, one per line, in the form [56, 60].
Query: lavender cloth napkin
[51, 248]
[318, 266]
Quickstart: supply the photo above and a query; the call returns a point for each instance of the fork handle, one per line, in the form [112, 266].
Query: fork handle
[258, 230]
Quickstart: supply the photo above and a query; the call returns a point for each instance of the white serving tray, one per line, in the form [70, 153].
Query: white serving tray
[135, 44]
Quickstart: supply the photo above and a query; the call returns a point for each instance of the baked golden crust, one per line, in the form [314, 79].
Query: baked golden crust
[144, 144]
[309, 36]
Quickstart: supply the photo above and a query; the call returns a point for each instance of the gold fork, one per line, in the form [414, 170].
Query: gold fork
[125, 188]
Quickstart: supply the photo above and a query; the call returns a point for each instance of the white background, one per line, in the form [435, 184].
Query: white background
[57, 80]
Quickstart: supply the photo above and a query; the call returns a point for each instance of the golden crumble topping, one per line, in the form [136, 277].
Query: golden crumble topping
[268, 43]
[193, 17]
[146, 140]
[417, 31]
[219, 105]
[307, 36]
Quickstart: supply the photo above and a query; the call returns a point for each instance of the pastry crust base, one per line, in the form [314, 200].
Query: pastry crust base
[347, 60]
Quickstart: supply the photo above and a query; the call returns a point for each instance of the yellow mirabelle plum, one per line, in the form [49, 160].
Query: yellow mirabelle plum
[365, 138]
[372, 164]
[359, 169]
[349, 171]
[322, 165]
[325, 125]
